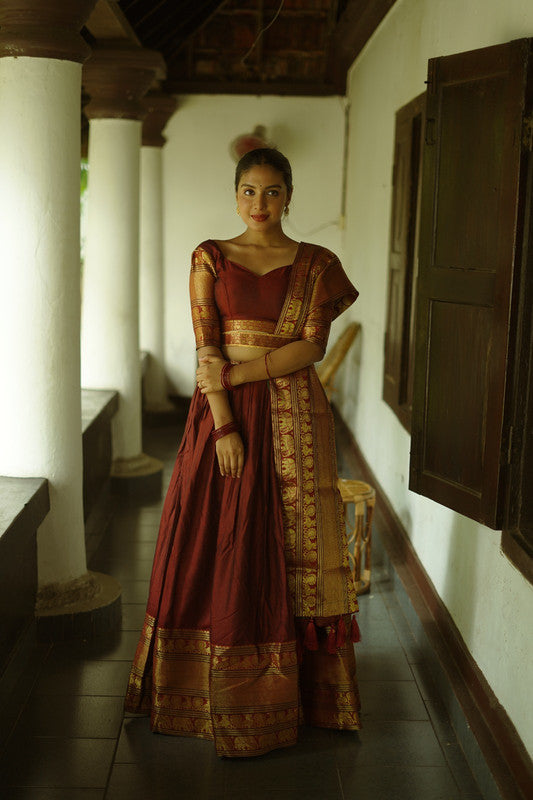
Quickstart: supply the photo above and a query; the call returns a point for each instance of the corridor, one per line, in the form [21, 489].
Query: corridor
[63, 735]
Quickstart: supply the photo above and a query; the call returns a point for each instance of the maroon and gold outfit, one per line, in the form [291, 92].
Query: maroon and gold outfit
[251, 593]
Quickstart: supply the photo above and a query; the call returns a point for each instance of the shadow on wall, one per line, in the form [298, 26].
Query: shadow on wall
[284, 139]
[347, 382]
[461, 575]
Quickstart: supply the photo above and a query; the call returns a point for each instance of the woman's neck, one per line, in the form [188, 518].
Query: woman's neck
[275, 238]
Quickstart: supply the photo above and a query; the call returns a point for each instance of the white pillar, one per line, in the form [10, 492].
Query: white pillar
[40, 403]
[159, 108]
[116, 80]
[110, 331]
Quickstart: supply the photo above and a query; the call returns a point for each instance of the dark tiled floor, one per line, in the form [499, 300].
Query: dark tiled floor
[64, 736]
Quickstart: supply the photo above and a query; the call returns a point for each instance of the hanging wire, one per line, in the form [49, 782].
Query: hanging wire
[261, 32]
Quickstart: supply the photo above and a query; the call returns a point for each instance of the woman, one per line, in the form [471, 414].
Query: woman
[248, 627]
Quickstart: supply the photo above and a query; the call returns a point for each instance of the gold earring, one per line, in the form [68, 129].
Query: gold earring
[238, 212]
[286, 210]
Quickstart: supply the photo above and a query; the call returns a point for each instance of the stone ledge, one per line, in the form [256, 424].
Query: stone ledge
[97, 405]
[24, 504]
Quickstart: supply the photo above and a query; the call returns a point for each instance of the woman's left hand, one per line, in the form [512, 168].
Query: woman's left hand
[208, 374]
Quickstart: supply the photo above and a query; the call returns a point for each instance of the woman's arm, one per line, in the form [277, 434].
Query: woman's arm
[229, 449]
[289, 358]
[218, 401]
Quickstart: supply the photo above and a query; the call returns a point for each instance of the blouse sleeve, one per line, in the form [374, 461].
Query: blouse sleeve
[205, 318]
[332, 294]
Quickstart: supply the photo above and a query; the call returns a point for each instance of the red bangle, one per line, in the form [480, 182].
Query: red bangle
[229, 427]
[266, 366]
[225, 378]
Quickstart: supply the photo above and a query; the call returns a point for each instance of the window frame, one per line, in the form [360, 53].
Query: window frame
[398, 374]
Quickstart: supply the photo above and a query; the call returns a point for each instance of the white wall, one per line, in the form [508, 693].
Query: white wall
[489, 600]
[199, 199]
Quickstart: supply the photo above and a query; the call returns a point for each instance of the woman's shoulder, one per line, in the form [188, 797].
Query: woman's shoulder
[204, 255]
[319, 257]
[209, 245]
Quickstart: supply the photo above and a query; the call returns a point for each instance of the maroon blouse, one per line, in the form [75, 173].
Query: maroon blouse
[242, 294]
[232, 305]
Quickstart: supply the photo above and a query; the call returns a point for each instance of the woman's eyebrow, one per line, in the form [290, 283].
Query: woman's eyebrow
[254, 186]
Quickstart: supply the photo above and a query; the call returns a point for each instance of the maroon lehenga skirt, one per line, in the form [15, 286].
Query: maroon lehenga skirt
[221, 655]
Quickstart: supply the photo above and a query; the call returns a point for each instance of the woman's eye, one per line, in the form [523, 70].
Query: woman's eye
[248, 191]
[273, 192]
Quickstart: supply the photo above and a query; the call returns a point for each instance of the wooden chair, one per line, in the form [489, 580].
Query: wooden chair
[363, 496]
[327, 368]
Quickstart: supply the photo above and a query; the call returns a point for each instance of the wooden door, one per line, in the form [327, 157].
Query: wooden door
[476, 153]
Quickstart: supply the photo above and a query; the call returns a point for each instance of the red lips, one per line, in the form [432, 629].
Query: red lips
[259, 217]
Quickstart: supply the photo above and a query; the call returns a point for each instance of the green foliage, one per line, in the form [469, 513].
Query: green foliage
[83, 176]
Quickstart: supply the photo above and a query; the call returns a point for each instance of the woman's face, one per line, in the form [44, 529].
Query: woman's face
[262, 197]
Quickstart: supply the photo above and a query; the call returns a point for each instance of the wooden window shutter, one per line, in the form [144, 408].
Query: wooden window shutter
[476, 154]
[398, 365]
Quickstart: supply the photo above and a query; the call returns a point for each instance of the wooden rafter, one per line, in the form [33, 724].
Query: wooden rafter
[307, 51]
[355, 27]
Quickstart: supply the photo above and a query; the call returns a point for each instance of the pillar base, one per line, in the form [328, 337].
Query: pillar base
[159, 415]
[83, 608]
[139, 477]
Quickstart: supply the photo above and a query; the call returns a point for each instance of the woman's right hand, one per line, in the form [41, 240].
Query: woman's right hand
[230, 455]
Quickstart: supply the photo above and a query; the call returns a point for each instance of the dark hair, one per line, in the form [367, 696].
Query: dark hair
[265, 155]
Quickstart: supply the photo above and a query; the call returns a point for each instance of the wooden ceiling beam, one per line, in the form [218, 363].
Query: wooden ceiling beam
[283, 52]
[196, 25]
[107, 21]
[286, 13]
[293, 89]
[355, 27]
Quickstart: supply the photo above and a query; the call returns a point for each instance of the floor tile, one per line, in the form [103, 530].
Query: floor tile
[29, 793]
[372, 605]
[291, 769]
[124, 533]
[22, 670]
[72, 716]
[382, 663]
[333, 792]
[57, 762]
[137, 744]
[10, 710]
[391, 700]
[389, 743]
[377, 633]
[137, 550]
[116, 646]
[130, 514]
[398, 783]
[135, 591]
[405, 634]
[139, 570]
[443, 727]
[315, 740]
[133, 615]
[148, 781]
[100, 678]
